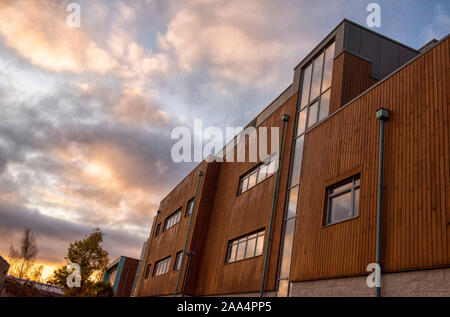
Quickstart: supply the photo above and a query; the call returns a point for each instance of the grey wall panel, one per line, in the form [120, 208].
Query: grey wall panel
[389, 57]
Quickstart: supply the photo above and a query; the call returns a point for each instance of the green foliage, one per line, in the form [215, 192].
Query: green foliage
[92, 289]
[93, 261]
[16, 289]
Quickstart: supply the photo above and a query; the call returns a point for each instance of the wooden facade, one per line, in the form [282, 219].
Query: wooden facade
[416, 188]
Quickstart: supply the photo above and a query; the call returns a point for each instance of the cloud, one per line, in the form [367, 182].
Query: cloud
[47, 41]
[54, 235]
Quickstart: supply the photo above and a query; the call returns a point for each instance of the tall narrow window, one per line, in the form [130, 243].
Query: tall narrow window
[147, 271]
[190, 207]
[343, 200]
[313, 107]
[177, 264]
[158, 228]
[315, 90]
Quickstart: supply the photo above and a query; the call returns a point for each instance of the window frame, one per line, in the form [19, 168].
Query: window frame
[158, 229]
[177, 261]
[318, 98]
[245, 178]
[187, 207]
[147, 271]
[351, 188]
[237, 241]
[157, 266]
[170, 217]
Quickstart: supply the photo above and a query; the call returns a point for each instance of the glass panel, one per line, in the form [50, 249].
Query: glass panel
[305, 86]
[341, 187]
[341, 207]
[292, 205]
[301, 122]
[357, 181]
[245, 184]
[297, 165]
[324, 105]
[252, 179]
[250, 252]
[240, 251]
[287, 248]
[316, 77]
[328, 67]
[312, 117]
[356, 202]
[259, 245]
[232, 255]
[262, 173]
[283, 288]
[272, 166]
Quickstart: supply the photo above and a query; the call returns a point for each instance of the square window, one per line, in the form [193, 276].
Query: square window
[343, 200]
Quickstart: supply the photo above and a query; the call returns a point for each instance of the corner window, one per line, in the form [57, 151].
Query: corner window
[258, 174]
[147, 271]
[177, 264]
[158, 228]
[316, 87]
[343, 200]
[161, 267]
[245, 247]
[172, 220]
[190, 207]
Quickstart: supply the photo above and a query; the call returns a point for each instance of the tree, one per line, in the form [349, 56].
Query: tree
[23, 260]
[91, 258]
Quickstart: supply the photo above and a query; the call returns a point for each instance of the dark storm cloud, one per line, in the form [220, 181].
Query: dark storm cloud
[58, 233]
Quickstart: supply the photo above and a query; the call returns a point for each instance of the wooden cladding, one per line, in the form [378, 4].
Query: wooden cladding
[351, 76]
[416, 188]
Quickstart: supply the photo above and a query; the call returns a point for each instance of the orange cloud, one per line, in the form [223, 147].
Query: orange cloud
[37, 30]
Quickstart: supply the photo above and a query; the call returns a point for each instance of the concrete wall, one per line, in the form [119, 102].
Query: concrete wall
[421, 283]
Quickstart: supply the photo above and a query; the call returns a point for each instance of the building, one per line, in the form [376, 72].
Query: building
[4, 267]
[311, 227]
[121, 274]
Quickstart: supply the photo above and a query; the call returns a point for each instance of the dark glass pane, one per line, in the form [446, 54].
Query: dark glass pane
[328, 67]
[356, 202]
[292, 205]
[316, 77]
[287, 248]
[305, 86]
[251, 244]
[341, 207]
[324, 105]
[312, 117]
[301, 122]
[297, 165]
